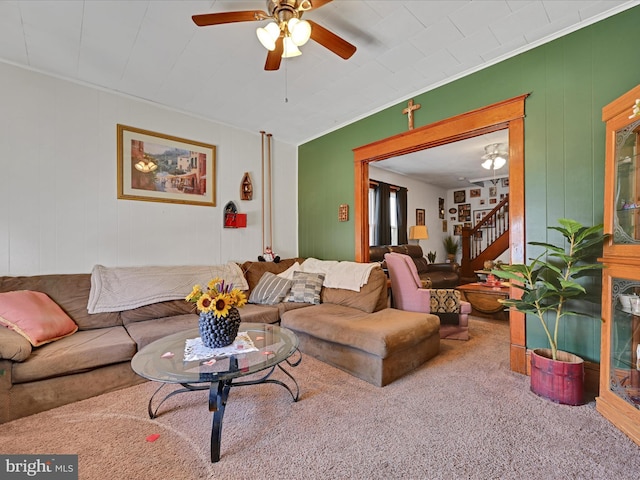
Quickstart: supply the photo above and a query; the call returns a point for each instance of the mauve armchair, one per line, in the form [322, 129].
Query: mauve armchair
[408, 295]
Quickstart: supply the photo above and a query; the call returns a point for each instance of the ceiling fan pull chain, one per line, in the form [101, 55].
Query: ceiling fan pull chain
[286, 84]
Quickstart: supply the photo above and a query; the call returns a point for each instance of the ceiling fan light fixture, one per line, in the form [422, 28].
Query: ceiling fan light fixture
[289, 49]
[299, 30]
[499, 162]
[487, 164]
[268, 35]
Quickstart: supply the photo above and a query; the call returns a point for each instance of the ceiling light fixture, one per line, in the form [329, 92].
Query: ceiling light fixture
[295, 33]
[495, 157]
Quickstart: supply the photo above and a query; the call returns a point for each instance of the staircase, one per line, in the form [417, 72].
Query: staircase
[486, 241]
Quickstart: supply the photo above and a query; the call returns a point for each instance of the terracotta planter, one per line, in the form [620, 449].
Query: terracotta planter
[561, 380]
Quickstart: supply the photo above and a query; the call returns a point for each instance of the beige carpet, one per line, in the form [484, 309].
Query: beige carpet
[461, 415]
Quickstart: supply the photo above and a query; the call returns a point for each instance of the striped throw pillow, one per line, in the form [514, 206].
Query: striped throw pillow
[271, 289]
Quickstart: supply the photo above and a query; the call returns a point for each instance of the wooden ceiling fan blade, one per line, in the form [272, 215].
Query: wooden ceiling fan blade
[206, 19]
[331, 41]
[306, 5]
[274, 57]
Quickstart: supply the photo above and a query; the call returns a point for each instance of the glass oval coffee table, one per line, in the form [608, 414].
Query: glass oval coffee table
[171, 360]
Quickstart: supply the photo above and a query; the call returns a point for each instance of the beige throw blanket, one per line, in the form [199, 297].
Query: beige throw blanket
[114, 289]
[346, 275]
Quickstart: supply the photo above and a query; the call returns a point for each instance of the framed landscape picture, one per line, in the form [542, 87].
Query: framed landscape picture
[155, 167]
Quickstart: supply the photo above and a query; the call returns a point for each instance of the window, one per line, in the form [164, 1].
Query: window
[384, 201]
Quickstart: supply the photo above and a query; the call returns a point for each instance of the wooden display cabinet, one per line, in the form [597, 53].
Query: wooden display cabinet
[619, 398]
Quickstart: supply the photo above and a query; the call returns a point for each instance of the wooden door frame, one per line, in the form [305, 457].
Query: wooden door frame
[508, 114]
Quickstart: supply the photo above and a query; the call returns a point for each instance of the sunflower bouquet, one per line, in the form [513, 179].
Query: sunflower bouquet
[217, 298]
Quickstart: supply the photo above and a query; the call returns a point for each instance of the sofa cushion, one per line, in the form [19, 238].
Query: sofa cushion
[84, 350]
[147, 331]
[35, 316]
[380, 333]
[271, 289]
[69, 291]
[169, 308]
[371, 297]
[14, 346]
[306, 287]
[254, 313]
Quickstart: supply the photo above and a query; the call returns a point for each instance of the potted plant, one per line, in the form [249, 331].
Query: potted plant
[431, 256]
[550, 292]
[452, 247]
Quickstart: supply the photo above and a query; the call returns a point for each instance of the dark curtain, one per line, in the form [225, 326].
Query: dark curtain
[383, 232]
[401, 204]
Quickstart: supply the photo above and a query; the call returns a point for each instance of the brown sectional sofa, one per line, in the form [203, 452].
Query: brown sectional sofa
[436, 275]
[353, 331]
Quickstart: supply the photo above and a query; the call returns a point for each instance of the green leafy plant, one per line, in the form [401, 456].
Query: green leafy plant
[548, 285]
[451, 245]
[431, 256]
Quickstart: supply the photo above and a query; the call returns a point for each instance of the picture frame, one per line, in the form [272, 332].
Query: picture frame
[441, 207]
[457, 229]
[493, 191]
[478, 215]
[156, 167]
[420, 216]
[459, 196]
[505, 182]
[474, 192]
[445, 226]
[493, 200]
[464, 212]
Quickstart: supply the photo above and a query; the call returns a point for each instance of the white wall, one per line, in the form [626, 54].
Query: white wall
[420, 195]
[58, 207]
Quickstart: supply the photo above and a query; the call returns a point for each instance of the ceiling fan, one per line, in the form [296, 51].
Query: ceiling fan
[286, 31]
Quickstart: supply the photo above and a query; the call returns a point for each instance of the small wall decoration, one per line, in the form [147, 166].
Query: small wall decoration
[474, 192]
[246, 188]
[505, 182]
[233, 219]
[482, 201]
[441, 208]
[155, 167]
[343, 213]
[493, 200]
[453, 210]
[445, 226]
[457, 229]
[459, 196]
[493, 191]
[419, 216]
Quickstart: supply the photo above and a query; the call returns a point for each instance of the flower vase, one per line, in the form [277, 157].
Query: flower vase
[217, 332]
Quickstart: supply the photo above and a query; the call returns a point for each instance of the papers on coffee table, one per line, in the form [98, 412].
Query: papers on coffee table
[195, 350]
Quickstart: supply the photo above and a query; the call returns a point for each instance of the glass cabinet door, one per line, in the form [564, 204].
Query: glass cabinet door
[627, 188]
[625, 341]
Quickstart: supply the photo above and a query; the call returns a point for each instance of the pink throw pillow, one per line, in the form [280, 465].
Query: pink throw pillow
[35, 316]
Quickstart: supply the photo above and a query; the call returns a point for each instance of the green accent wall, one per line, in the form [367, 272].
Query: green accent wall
[569, 81]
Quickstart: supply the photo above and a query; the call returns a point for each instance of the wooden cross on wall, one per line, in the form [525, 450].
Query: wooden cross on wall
[409, 112]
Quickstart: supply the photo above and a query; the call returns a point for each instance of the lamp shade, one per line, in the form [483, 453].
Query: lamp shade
[418, 232]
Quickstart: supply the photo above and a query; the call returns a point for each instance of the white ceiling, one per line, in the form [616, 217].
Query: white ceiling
[152, 50]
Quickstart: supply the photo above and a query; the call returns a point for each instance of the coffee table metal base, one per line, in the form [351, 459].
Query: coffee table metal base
[219, 394]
